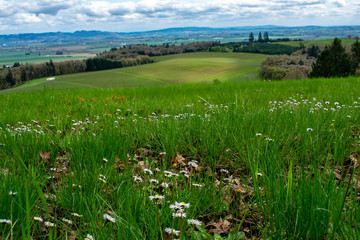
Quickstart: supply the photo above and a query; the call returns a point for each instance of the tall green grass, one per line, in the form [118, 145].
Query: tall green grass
[292, 164]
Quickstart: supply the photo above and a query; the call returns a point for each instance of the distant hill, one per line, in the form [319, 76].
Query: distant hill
[184, 33]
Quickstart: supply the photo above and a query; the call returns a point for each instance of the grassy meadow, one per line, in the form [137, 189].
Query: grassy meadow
[234, 160]
[202, 67]
[346, 42]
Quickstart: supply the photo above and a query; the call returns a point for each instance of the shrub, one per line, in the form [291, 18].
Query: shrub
[273, 72]
[296, 74]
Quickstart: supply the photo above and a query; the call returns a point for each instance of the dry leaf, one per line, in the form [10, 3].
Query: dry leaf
[119, 165]
[199, 169]
[72, 237]
[45, 156]
[209, 172]
[146, 152]
[179, 160]
[141, 164]
[221, 227]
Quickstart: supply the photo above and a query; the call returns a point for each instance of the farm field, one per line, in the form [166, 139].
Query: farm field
[234, 160]
[203, 67]
[11, 58]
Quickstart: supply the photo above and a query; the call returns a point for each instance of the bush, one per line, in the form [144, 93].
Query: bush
[296, 74]
[273, 72]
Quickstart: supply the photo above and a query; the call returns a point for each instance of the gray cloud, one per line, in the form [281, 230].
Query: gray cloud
[74, 14]
[119, 11]
[41, 6]
[50, 10]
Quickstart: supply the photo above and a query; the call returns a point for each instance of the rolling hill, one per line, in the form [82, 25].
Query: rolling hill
[202, 67]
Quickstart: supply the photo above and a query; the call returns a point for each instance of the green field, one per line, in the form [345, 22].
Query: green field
[173, 69]
[345, 42]
[242, 160]
[10, 58]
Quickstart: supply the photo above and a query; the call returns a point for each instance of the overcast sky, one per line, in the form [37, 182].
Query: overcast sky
[20, 16]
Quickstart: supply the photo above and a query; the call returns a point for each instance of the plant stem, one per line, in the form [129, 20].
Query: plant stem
[158, 217]
[181, 219]
[172, 227]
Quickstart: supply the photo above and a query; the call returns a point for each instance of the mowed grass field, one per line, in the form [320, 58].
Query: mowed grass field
[173, 69]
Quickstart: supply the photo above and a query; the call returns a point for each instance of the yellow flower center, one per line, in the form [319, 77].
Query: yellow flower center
[156, 195]
[239, 190]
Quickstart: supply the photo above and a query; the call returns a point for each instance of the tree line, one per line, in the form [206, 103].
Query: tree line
[329, 61]
[255, 47]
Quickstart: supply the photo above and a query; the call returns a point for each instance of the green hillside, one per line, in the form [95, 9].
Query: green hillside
[202, 67]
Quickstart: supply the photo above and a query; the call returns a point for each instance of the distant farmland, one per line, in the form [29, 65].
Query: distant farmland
[173, 69]
[346, 42]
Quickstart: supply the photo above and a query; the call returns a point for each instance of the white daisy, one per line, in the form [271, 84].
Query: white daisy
[12, 193]
[5, 221]
[76, 215]
[49, 224]
[148, 171]
[154, 181]
[193, 164]
[38, 219]
[89, 237]
[194, 222]
[108, 217]
[224, 170]
[179, 215]
[67, 221]
[138, 179]
[172, 231]
[164, 185]
[197, 185]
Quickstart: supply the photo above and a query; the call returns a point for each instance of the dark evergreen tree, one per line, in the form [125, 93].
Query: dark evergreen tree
[90, 66]
[251, 37]
[50, 68]
[260, 39]
[355, 53]
[3, 84]
[313, 51]
[9, 78]
[24, 77]
[333, 62]
[266, 37]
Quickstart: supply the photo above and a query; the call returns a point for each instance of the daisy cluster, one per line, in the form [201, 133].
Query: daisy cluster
[313, 105]
[178, 209]
[92, 124]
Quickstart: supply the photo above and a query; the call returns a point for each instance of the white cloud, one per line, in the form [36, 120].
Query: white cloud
[27, 18]
[54, 15]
